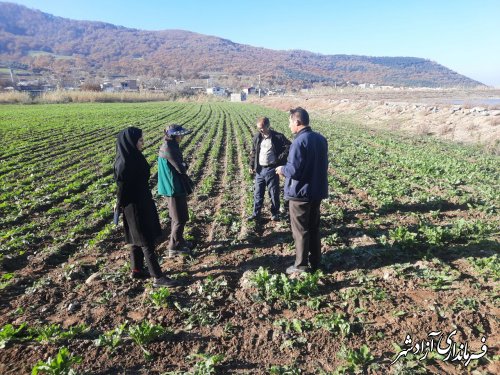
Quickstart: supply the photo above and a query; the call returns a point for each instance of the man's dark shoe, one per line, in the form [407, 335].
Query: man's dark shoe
[275, 218]
[140, 274]
[183, 251]
[294, 270]
[164, 281]
[253, 217]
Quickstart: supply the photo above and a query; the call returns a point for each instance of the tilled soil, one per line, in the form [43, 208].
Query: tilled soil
[384, 297]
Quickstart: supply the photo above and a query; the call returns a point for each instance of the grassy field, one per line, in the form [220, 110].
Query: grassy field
[410, 246]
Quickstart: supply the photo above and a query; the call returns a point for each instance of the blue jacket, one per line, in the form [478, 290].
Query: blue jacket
[306, 170]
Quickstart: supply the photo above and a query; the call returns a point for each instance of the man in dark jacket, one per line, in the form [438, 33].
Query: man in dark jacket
[306, 184]
[269, 150]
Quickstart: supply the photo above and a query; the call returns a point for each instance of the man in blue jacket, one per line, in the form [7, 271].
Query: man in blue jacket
[306, 184]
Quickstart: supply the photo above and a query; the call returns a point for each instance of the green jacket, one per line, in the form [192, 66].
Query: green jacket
[170, 168]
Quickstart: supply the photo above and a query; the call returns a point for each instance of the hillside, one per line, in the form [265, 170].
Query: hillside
[47, 43]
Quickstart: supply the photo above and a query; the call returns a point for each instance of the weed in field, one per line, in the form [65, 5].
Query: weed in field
[206, 363]
[60, 365]
[111, 339]
[9, 333]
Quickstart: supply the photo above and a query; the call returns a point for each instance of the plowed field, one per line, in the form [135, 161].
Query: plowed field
[410, 242]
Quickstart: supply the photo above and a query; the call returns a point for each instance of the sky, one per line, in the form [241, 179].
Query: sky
[463, 35]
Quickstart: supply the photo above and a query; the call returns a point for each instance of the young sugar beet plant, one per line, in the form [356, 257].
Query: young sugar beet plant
[54, 333]
[284, 370]
[292, 331]
[10, 333]
[202, 310]
[279, 287]
[111, 339]
[60, 365]
[357, 360]
[205, 363]
[334, 323]
[144, 333]
[159, 297]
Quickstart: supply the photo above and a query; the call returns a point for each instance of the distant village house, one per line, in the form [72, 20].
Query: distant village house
[238, 97]
[249, 90]
[216, 91]
[130, 85]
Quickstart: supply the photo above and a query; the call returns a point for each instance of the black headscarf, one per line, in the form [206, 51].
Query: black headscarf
[129, 160]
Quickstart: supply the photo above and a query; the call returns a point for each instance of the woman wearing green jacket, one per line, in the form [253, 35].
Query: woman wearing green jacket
[174, 183]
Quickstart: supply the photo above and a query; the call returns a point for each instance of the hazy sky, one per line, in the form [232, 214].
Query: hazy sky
[463, 35]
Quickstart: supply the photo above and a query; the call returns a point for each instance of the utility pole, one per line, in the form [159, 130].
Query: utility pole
[259, 87]
[12, 77]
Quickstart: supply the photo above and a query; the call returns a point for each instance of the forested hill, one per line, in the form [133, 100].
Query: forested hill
[60, 45]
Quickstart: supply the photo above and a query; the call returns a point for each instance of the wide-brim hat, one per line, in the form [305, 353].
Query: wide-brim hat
[175, 130]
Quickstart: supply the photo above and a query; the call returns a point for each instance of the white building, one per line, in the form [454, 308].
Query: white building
[216, 91]
[238, 97]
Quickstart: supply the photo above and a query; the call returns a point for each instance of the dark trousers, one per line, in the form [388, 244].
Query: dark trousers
[304, 219]
[267, 177]
[178, 211]
[137, 256]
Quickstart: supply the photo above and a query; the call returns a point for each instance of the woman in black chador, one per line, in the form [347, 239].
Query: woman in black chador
[134, 199]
